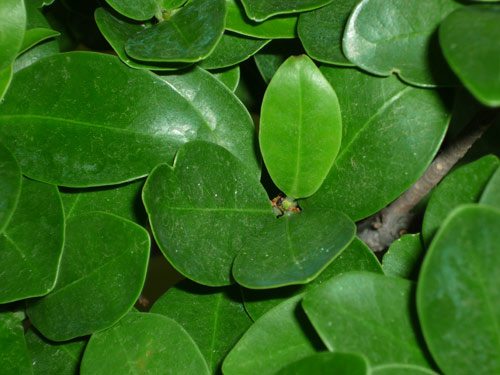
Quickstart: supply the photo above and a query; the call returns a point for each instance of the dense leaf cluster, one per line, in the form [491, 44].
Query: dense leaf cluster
[153, 144]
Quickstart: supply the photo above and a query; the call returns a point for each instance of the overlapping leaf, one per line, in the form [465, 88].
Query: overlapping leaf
[386, 36]
[12, 25]
[14, 356]
[300, 127]
[10, 185]
[391, 133]
[260, 10]
[203, 209]
[101, 275]
[459, 292]
[31, 245]
[404, 257]
[138, 9]
[324, 363]
[396, 369]
[228, 76]
[491, 193]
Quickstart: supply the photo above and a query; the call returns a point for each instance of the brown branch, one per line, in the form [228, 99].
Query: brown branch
[381, 229]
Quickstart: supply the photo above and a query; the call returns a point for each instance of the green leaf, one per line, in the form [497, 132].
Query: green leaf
[458, 292]
[276, 27]
[143, 344]
[121, 200]
[391, 133]
[140, 10]
[203, 209]
[170, 4]
[35, 36]
[294, 249]
[38, 3]
[265, 348]
[464, 185]
[300, 127]
[397, 369]
[31, 245]
[404, 257]
[10, 186]
[328, 363]
[228, 76]
[117, 30]
[14, 356]
[473, 51]
[270, 58]
[368, 313]
[12, 25]
[356, 257]
[229, 121]
[259, 10]
[214, 318]
[54, 358]
[231, 50]
[106, 138]
[491, 193]
[321, 31]
[102, 272]
[5, 78]
[393, 36]
[189, 35]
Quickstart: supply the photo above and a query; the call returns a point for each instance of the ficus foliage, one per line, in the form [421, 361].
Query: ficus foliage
[132, 131]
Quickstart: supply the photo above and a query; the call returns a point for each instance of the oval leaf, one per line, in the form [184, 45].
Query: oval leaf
[138, 9]
[215, 318]
[31, 245]
[143, 344]
[121, 138]
[203, 209]
[321, 31]
[12, 24]
[101, 275]
[370, 314]
[293, 249]
[386, 36]
[277, 27]
[189, 35]
[228, 76]
[473, 52]
[269, 339]
[300, 127]
[10, 185]
[328, 363]
[397, 369]
[391, 133]
[458, 292]
[404, 257]
[491, 193]
[35, 36]
[14, 356]
[259, 10]
[356, 257]
[463, 185]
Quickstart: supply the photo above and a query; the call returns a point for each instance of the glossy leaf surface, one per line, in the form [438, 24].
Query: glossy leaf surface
[228, 119]
[397, 369]
[473, 51]
[14, 357]
[391, 133]
[277, 27]
[32, 243]
[121, 200]
[231, 50]
[293, 249]
[357, 312]
[228, 76]
[189, 35]
[404, 257]
[270, 58]
[259, 10]
[203, 209]
[269, 339]
[107, 138]
[143, 344]
[328, 363]
[101, 276]
[10, 185]
[356, 257]
[138, 9]
[5, 78]
[321, 31]
[459, 292]
[50, 357]
[214, 318]
[464, 185]
[491, 193]
[117, 30]
[13, 22]
[35, 36]
[300, 127]
[384, 36]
